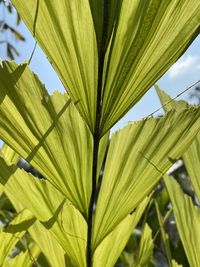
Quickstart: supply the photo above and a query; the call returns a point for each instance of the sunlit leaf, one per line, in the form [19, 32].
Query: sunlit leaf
[69, 43]
[26, 258]
[137, 157]
[6, 171]
[149, 37]
[9, 155]
[48, 205]
[191, 157]
[187, 217]
[44, 239]
[164, 235]
[145, 249]
[9, 239]
[107, 253]
[142, 39]
[191, 160]
[168, 103]
[47, 131]
[48, 244]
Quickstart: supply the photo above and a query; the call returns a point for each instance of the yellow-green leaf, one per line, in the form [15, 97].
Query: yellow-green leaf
[164, 235]
[191, 157]
[47, 131]
[26, 258]
[168, 103]
[65, 31]
[187, 217]
[48, 205]
[48, 245]
[143, 39]
[9, 154]
[137, 157]
[8, 239]
[145, 249]
[107, 253]
[149, 37]
[42, 236]
[191, 160]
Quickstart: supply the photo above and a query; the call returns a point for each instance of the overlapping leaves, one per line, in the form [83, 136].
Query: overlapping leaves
[118, 238]
[139, 40]
[187, 219]
[64, 222]
[186, 214]
[46, 131]
[191, 157]
[42, 236]
[58, 143]
[70, 44]
[138, 155]
[8, 237]
[192, 163]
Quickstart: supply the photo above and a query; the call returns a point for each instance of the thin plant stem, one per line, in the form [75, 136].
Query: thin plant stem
[96, 141]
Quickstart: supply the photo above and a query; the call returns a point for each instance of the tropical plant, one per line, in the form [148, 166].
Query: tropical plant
[186, 210]
[94, 190]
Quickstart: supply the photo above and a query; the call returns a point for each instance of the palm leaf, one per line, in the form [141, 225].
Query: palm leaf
[187, 217]
[9, 154]
[47, 131]
[105, 15]
[48, 245]
[48, 205]
[137, 158]
[191, 160]
[1, 189]
[168, 103]
[69, 43]
[164, 235]
[191, 157]
[26, 258]
[79, 35]
[10, 235]
[145, 249]
[148, 38]
[44, 239]
[107, 253]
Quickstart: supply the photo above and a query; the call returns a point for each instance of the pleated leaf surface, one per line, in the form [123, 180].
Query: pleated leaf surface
[191, 157]
[149, 36]
[118, 238]
[47, 131]
[66, 224]
[65, 31]
[187, 217]
[9, 238]
[139, 39]
[138, 155]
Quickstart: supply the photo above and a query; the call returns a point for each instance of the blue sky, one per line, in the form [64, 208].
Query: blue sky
[182, 74]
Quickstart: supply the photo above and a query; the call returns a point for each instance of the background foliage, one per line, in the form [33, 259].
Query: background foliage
[89, 199]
